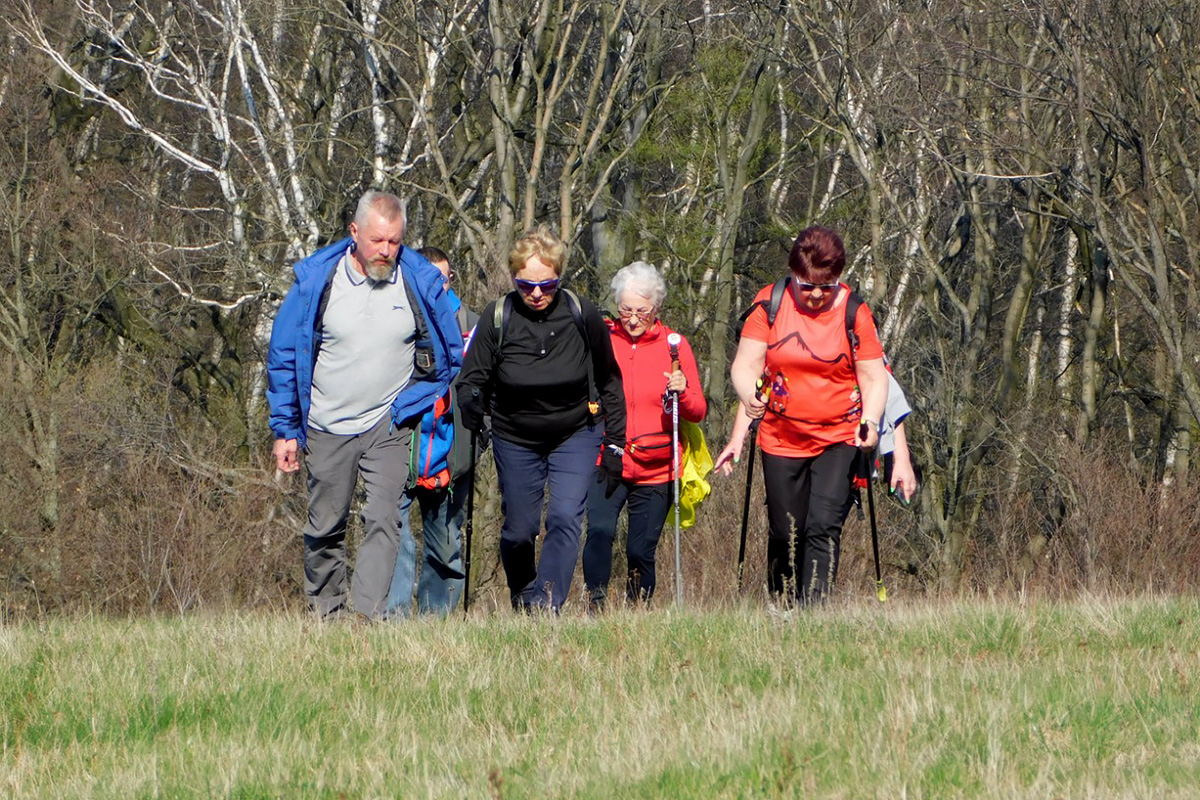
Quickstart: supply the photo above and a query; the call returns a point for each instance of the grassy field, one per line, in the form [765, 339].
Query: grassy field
[1091, 699]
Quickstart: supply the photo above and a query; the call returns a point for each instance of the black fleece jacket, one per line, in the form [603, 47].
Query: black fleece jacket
[537, 383]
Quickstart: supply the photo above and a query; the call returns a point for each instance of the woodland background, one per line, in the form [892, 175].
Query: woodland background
[1017, 184]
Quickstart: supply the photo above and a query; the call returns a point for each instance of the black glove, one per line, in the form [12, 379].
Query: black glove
[610, 468]
[470, 409]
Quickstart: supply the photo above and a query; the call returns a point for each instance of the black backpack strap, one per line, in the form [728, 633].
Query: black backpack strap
[424, 360]
[577, 314]
[772, 306]
[746, 315]
[777, 292]
[853, 301]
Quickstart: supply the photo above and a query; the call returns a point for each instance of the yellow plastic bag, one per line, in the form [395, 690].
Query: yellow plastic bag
[697, 464]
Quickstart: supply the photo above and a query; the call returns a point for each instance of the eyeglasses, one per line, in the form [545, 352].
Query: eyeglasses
[812, 287]
[639, 313]
[527, 287]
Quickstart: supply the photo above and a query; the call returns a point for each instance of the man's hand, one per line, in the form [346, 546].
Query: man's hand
[287, 455]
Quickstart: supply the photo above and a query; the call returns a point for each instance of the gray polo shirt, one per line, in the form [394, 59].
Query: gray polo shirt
[366, 354]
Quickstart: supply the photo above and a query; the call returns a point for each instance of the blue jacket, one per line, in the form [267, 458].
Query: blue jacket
[442, 452]
[294, 341]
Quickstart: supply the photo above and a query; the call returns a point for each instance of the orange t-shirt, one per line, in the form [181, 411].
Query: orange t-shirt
[814, 400]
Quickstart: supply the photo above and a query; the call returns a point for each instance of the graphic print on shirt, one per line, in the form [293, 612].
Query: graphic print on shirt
[793, 349]
[778, 399]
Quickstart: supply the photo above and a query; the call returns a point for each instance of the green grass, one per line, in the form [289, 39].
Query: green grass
[1093, 699]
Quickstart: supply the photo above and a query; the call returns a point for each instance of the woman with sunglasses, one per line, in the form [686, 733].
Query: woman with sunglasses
[648, 374]
[542, 362]
[814, 395]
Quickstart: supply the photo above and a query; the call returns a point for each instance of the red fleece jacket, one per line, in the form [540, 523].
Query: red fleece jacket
[645, 364]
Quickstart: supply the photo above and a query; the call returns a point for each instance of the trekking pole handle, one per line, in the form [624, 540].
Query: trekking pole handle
[673, 342]
[762, 393]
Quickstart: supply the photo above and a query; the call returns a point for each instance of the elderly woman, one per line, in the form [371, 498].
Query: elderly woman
[814, 389]
[542, 361]
[648, 372]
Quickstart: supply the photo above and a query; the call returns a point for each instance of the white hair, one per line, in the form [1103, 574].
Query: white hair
[641, 279]
[387, 205]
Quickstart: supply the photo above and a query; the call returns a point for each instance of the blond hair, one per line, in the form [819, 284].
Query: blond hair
[540, 242]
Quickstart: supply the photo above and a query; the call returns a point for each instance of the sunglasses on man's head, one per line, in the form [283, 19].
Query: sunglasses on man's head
[527, 287]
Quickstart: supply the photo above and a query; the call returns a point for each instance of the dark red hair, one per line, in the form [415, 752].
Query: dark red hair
[818, 256]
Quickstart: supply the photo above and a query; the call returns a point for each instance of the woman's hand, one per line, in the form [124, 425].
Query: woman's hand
[870, 440]
[676, 381]
[731, 455]
[904, 480]
[755, 406]
[904, 477]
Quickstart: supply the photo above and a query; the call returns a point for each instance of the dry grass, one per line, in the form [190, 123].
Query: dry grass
[158, 518]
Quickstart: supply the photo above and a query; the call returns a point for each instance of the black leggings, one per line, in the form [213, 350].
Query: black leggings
[649, 505]
[806, 501]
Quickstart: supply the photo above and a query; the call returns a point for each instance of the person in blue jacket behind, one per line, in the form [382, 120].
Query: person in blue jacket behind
[439, 482]
[365, 342]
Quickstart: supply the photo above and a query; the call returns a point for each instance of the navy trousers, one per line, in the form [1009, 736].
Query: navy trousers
[524, 475]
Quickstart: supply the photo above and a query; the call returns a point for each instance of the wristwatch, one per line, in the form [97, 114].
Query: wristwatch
[871, 422]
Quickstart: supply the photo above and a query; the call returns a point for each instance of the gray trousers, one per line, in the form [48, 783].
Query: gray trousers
[335, 463]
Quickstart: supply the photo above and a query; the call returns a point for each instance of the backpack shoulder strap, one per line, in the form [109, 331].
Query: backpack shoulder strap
[500, 318]
[777, 292]
[577, 314]
[853, 301]
[772, 306]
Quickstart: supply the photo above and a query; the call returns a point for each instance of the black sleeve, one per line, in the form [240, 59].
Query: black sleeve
[607, 374]
[479, 363]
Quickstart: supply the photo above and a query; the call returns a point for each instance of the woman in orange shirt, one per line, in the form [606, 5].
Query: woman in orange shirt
[812, 393]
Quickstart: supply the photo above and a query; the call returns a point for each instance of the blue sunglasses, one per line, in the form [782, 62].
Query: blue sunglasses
[527, 287]
[812, 287]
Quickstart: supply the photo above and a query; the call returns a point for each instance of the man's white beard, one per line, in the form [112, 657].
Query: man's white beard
[380, 272]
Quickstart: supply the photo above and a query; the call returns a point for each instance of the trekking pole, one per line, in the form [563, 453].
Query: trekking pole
[746, 503]
[467, 529]
[673, 343]
[880, 589]
[758, 393]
